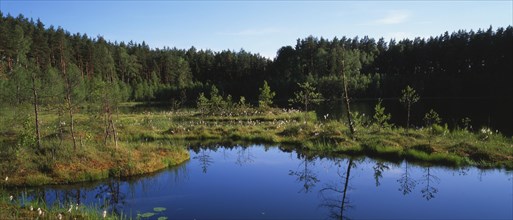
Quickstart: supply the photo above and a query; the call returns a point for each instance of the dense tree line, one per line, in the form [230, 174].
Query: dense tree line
[32, 57]
[461, 64]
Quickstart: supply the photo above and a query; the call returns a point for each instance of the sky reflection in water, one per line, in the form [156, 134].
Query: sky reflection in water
[268, 183]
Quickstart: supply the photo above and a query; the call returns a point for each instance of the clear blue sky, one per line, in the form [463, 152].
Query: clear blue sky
[260, 26]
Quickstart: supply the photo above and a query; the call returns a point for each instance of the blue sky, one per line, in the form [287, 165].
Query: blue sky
[260, 26]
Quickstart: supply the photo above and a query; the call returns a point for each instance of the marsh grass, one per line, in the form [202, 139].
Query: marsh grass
[451, 148]
[151, 141]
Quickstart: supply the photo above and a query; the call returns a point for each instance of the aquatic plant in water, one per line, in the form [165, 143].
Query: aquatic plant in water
[146, 215]
[159, 209]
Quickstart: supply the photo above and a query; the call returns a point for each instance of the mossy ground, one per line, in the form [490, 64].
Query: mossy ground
[305, 132]
[152, 141]
[57, 162]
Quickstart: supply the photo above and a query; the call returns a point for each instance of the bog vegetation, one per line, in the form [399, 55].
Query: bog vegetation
[60, 95]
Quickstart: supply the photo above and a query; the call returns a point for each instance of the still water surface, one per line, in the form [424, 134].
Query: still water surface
[268, 183]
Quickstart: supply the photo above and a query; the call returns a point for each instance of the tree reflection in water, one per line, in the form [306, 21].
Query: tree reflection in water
[406, 182]
[205, 159]
[110, 196]
[429, 191]
[244, 156]
[335, 197]
[304, 173]
[379, 168]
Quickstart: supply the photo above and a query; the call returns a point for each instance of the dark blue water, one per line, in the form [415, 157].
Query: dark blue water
[260, 182]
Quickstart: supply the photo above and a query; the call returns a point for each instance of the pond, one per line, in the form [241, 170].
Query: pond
[263, 182]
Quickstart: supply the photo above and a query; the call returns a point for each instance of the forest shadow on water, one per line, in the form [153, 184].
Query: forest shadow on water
[495, 114]
[224, 181]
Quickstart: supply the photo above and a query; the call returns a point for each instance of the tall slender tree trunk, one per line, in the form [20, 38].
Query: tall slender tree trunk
[69, 102]
[107, 124]
[114, 133]
[72, 122]
[408, 119]
[36, 110]
[306, 107]
[110, 128]
[346, 101]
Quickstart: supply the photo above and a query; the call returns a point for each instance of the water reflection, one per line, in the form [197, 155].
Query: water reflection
[205, 160]
[244, 156]
[406, 181]
[304, 173]
[246, 181]
[429, 191]
[335, 196]
[379, 168]
[111, 195]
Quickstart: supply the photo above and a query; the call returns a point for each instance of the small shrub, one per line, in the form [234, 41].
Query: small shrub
[380, 117]
[360, 120]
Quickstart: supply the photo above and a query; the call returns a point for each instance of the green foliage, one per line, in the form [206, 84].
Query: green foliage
[18, 87]
[242, 107]
[307, 95]
[159, 209]
[216, 100]
[54, 94]
[146, 215]
[265, 99]
[409, 96]
[26, 137]
[202, 103]
[360, 120]
[440, 130]
[432, 118]
[380, 117]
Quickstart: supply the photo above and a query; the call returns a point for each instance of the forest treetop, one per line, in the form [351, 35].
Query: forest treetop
[458, 64]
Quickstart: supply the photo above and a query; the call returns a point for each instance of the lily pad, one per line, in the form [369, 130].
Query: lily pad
[146, 215]
[162, 218]
[159, 209]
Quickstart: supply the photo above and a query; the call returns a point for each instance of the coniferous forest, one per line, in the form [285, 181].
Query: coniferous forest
[464, 63]
[78, 108]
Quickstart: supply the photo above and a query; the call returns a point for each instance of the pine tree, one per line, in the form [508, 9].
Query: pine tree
[408, 98]
[265, 99]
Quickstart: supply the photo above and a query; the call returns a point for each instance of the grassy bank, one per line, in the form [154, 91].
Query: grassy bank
[306, 132]
[151, 141]
[57, 162]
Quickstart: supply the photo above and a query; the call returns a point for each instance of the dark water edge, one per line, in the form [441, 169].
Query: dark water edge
[493, 113]
[265, 182]
[496, 114]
